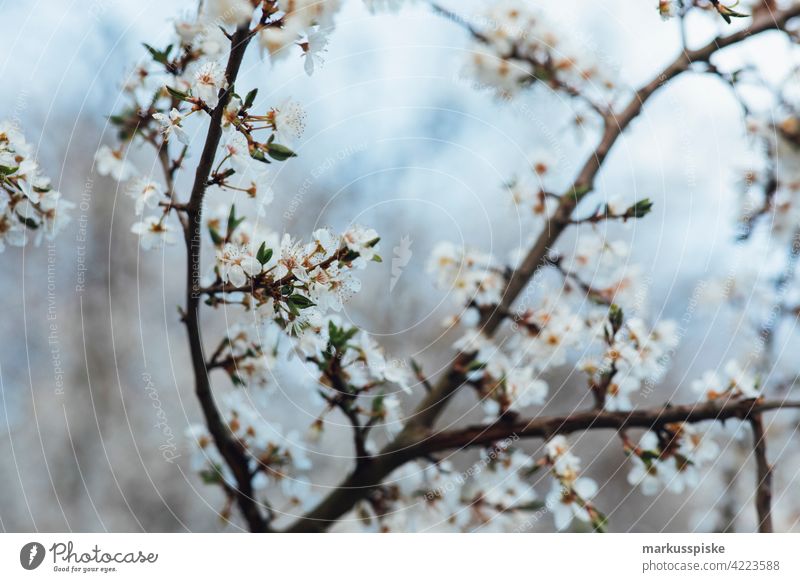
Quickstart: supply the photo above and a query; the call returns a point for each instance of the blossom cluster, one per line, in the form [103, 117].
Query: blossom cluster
[516, 46]
[496, 493]
[275, 456]
[670, 459]
[184, 82]
[635, 354]
[571, 495]
[619, 356]
[733, 381]
[473, 276]
[285, 279]
[350, 363]
[30, 209]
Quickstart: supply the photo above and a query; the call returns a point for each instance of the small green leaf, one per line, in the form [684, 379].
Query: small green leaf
[211, 476]
[250, 99]
[300, 301]
[615, 317]
[180, 95]
[233, 221]
[377, 404]
[279, 152]
[640, 209]
[257, 154]
[28, 222]
[8, 170]
[159, 56]
[728, 13]
[350, 256]
[264, 254]
[648, 456]
[117, 119]
[215, 237]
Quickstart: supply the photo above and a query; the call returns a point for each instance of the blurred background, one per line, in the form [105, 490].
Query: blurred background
[96, 387]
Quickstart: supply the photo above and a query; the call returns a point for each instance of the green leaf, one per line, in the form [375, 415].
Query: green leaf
[728, 13]
[350, 256]
[377, 258]
[215, 237]
[257, 154]
[264, 254]
[233, 221]
[28, 222]
[279, 152]
[211, 476]
[300, 301]
[159, 56]
[117, 119]
[377, 404]
[250, 99]
[615, 317]
[8, 170]
[339, 336]
[648, 456]
[640, 209]
[180, 95]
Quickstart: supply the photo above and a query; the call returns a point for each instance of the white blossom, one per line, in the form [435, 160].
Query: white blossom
[154, 232]
[171, 124]
[146, 193]
[208, 81]
[113, 163]
[236, 265]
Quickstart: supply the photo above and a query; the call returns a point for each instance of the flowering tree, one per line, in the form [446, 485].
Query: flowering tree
[547, 308]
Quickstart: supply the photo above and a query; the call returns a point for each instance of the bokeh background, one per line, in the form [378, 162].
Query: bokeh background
[397, 139]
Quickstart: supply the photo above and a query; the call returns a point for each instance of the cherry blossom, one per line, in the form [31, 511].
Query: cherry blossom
[171, 124]
[30, 209]
[154, 233]
[114, 163]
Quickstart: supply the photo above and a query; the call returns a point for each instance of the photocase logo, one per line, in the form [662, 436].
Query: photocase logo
[31, 555]
[402, 255]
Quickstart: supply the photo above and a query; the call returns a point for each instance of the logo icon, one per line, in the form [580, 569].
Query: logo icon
[31, 555]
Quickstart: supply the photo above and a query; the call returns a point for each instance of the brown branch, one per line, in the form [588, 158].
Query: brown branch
[763, 475]
[229, 447]
[359, 483]
[548, 427]
[362, 480]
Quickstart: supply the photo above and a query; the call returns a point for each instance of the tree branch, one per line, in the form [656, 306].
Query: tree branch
[363, 479]
[229, 447]
[651, 418]
[359, 483]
